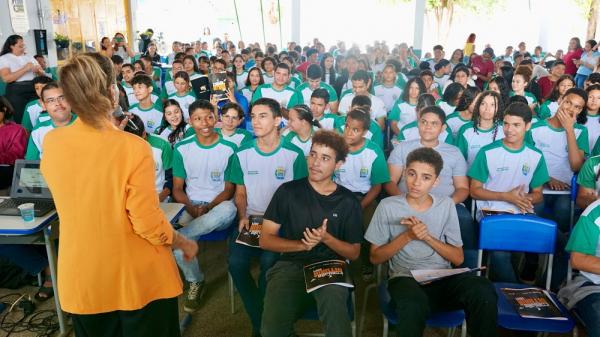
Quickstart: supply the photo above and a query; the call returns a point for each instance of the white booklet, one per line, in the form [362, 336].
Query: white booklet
[425, 276]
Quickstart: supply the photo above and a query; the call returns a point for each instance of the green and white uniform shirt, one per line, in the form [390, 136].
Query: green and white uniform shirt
[403, 113]
[162, 153]
[593, 127]
[305, 91]
[166, 132]
[248, 93]
[441, 80]
[205, 169]
[531, 99]
[268, 79]
[374, 133]
[329, 121]
[293, 138]
[168, 88]
[447, 107]
[500, 169]
[377, 106]
[470, 140]
[411, 132]
[239, 137]
[553, 144]
[44, 116]
[287, 97]
[454, 122]
[32, 111]
[262, 173]
[240, 79]
[295, 82]
[131, 96]
[389, 95]
[152, 117]
[585, 238]
[547, 109]
[34, 146]
[588, 176]
[184, 102]
[363, 169]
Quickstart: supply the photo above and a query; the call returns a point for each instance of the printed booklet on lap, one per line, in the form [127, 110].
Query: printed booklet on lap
[533, 303]
[425, 276]
[320, 274]
[249, 237]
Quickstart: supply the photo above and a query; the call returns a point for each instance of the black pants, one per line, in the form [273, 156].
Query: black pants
[6, 174]
[415, 303]
[19, 94]
[157, 318]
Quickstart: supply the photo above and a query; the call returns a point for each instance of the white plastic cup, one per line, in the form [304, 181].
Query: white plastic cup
[27, 213]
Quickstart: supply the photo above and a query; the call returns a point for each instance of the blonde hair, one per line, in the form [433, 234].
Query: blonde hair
[86, 87]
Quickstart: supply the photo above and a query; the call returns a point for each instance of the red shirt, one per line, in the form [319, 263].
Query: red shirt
[546, 86]
[481, 67]
[571, 68]
[13, 140]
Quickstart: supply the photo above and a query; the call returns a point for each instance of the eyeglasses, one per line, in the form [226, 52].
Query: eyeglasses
[235, 118]
[53, 100]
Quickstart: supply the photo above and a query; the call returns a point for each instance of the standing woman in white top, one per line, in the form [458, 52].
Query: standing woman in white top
[17, 70]
[121, 48]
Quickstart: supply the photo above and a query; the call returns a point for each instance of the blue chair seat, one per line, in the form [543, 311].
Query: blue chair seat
[436, 320]
[509, 318]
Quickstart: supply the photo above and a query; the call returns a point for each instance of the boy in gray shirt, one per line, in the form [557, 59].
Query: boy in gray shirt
[418, 230]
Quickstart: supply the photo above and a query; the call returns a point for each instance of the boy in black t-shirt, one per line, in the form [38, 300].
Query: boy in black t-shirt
[332, 229]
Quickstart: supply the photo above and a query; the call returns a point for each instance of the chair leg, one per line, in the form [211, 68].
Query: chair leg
[575, 331]
[385, 327]
[231, 294]
[451, 332]
[363, 310]
[40, 280]
[463, 329]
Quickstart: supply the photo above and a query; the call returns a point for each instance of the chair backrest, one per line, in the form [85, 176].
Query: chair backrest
[517, 233]
[574, 187]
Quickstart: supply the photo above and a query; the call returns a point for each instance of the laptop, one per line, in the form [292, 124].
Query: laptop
[28, 186]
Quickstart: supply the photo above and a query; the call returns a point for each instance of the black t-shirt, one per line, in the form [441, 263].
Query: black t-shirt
[296, 206]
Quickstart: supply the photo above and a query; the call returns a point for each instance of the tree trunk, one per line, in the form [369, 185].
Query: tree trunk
[592, 20]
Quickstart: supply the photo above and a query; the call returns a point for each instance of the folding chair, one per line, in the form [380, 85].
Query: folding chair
[529, 234]
[216, 236]
[313, 315]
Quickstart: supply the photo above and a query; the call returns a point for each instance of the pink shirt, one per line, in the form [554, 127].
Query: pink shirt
[570, 67]
[481, 67]
[13, 140]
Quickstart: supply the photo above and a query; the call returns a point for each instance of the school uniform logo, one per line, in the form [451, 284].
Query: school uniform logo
[280, 173]
[364, 172]
[215, 176]
[150, 124]
[525, 169]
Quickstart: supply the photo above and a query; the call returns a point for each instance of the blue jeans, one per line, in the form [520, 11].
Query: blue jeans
[218, 218]
[580, 80]
[559, 206]
[252, 294]
[589, 311]
[468, 233]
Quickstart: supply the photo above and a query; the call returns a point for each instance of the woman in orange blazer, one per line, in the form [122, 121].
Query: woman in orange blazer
[116, 271]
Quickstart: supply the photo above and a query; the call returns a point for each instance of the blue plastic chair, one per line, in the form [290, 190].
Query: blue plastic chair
[528, 234]
[313, 315]
[450, 319]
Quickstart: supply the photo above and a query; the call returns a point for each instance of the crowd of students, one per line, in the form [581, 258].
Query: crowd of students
[328, 146]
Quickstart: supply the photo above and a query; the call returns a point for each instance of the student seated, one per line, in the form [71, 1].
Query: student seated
[232, 116]
[332, 230]
[507, 176]
[33, 113]
[183, 93]
[450, 98]
[58, 109]
[404, 109]
[202, 164]
[258, 169]
[411, 130]
[583, 293]
[278, 89]
[588, 182]
[361, 82]
[149, 112]
[313, 82]
[13, 142]
[419, 230]
[464, 111]
[453, 180]
[388, 90]
[302, 126]
[173, 127]
[162, 153]
[319, 104]
[564, 143]
[374, 133]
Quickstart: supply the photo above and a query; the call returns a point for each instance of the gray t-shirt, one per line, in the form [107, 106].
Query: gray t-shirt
[442, 223]
[454, 165]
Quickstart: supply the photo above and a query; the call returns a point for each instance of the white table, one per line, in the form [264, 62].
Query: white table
[13, 230]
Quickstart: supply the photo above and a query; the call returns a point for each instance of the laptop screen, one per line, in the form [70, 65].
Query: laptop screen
[28, 181]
